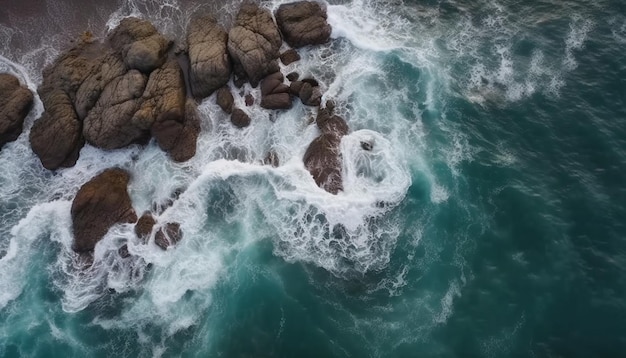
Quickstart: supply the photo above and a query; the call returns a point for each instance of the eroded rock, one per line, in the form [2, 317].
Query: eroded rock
[254, 43]
[208, 55]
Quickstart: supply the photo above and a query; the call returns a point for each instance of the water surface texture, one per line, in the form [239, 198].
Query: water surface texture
[489, 220]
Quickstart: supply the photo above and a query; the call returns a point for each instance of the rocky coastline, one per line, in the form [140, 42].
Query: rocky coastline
[136, 85]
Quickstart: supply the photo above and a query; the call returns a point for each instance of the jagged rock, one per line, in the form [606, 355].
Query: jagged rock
[144, 225]
[208, 56]
[271, 159]
[322, 160]
[15, 103]
[239, 118]
[99, 204]
[140, 44]
[303, 23]
[123, 251]
[367, 146]
[330, 123]
[225, 100]
[293, 76]
[168, 235]
[290, 56]
[254, 43]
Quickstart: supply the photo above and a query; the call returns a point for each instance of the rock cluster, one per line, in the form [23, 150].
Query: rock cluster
[132, 87]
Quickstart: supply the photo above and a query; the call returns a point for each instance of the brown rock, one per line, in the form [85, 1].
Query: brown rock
[140, 44]
[208, 55]
[254, 42]
[290, 56]
[249, 100]
[56, 137]
[144, 225]
[295, 87]
[310, 96]
[168, 235]
[303, 23]
[225, 100]
[276, 101]
[108, 125]
[99, 204]
[15, 103]
[239, 118]
[322, 160]
[293, 76]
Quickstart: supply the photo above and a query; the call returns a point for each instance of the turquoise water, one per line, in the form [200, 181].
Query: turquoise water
[487, 222]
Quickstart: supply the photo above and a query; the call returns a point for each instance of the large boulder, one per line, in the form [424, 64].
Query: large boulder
[108, 125]
[56, 137]
[323, 157]
[15, 103]
[322, 160]
[208, 56]
[140, 44]
[99, 204]
[254, 42]
[303, 23]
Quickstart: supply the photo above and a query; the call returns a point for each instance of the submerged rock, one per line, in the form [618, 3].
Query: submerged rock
[168, 235]
[254, 43]
[99, 204]
[208, 55]
[144, 225]
[303, 23]
[15, 103]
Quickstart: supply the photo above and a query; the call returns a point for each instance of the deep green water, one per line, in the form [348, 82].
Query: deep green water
[501, 169]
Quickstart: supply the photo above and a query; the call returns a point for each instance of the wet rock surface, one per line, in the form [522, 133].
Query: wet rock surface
[16, 101]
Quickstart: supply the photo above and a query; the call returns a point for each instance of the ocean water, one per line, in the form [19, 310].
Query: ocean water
[488, 221]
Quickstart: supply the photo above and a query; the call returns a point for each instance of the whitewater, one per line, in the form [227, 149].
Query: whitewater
[273, 265]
